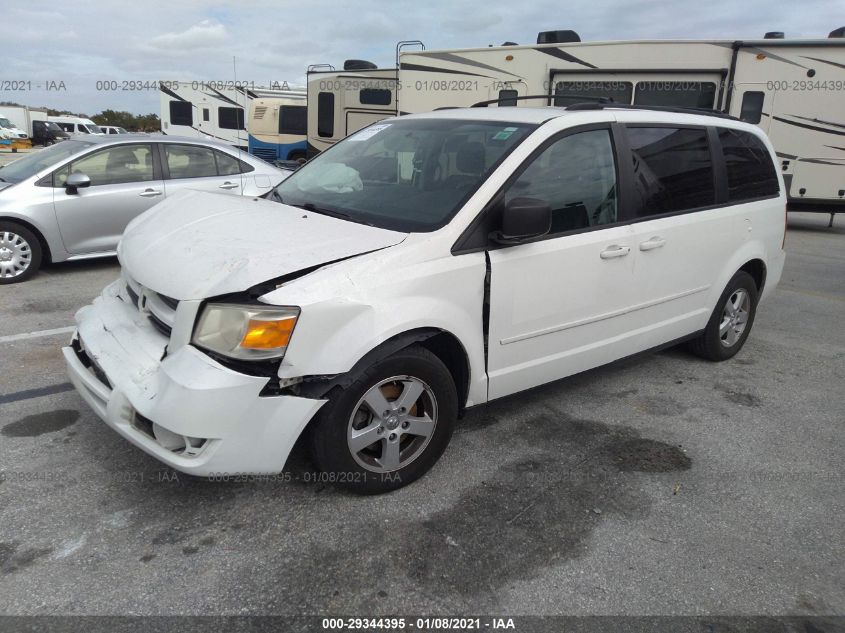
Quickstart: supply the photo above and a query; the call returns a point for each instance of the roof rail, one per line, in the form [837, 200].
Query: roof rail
[655, 108]
[484, 104]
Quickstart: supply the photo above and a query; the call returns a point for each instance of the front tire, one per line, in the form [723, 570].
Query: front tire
[731, 321]
[390, 426]
[20, 253]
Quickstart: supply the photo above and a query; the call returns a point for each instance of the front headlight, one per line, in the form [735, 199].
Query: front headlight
[242, 332]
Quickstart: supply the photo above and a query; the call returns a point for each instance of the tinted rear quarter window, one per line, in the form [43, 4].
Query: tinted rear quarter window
[751, 173]
[673, 169]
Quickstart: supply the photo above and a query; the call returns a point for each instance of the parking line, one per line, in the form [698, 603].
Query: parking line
[29, 394]
[21, 337]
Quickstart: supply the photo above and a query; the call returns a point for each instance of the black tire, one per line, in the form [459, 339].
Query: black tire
[710, 344]
[328, 435]
[33, 247]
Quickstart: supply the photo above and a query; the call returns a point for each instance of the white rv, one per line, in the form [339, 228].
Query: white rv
[214, 110]
[792, 89]
[344, 101]
[76, 126]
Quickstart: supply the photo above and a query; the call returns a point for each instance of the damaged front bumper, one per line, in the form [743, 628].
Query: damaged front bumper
[182, 408]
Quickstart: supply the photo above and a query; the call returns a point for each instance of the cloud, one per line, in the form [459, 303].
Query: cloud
[205, 34]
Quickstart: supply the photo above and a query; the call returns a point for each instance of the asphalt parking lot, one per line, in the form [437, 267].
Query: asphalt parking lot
[663, 484]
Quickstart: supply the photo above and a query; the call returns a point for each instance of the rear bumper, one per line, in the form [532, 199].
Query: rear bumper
[187, 410]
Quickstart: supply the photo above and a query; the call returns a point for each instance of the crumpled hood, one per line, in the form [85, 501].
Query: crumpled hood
[197, 245]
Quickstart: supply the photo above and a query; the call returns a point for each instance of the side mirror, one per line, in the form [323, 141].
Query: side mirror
[523, 219]
[75, 181]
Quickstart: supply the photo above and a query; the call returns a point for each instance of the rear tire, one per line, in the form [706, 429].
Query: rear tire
[20, 253]
[731, 321]
[389, 427]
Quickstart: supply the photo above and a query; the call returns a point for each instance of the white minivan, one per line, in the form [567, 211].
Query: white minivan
[423, 265]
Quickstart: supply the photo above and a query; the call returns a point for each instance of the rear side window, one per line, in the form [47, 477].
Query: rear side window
[190, 161]
[227, 165]
[293, 120]
[375, 96]
[181, 113]
[751, 173]
[673, 169]
[752, 107]
[325, 114]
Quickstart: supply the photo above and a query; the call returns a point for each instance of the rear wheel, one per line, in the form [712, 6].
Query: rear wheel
[390, 426]
[20, 253]
[731, 321]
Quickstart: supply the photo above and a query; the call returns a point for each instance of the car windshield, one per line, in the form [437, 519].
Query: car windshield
[52, 126]
[31, 164]
[121, 130]
[402, 174]
[93, 129]
[4, 122]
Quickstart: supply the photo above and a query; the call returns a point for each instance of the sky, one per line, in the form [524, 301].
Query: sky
[55, 53]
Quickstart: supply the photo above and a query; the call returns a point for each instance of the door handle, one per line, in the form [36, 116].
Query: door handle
[615, 251]
[652, 243]
[149, 193]
[229, 185]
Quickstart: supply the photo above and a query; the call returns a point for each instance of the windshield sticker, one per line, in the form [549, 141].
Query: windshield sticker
[504, 134]
[369, 132]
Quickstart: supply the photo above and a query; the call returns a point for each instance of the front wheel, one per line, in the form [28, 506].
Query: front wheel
[390, 426]
[731, 321]
[20, 253]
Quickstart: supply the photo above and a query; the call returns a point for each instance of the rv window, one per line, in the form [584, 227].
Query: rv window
[293, 120]
[752, 107]
[683, 94]
[751, 173]
[181, 113]
[325, 114]
[577, 177]
[206, 114]
[375, 96]
[231, 118]
[569, 92]
[190, 161]
[673, 169]
[507, 98]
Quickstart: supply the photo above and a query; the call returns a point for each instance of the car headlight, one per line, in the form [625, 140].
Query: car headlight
[245, 332]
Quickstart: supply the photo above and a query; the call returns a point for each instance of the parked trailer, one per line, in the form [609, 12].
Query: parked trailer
[341, 102]
[793, 89]
[214, 110]
[277, 127]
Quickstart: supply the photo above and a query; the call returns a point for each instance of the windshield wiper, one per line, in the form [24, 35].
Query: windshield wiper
[310, 206]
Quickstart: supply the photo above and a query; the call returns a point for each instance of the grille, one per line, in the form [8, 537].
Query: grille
[159, 309]
[264, 153]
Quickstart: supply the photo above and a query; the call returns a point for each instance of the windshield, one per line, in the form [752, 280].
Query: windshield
[121, 130]
[4, 122]
[93, 129]
[52, 126]
[31, 164]
[405, 175]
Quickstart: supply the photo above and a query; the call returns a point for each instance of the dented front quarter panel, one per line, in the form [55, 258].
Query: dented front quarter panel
[352, 307]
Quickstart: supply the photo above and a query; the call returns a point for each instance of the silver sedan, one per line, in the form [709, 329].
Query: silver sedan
[73, 200]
